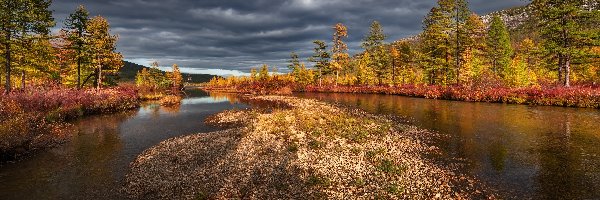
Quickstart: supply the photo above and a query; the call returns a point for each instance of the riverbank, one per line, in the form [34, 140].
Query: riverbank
[308, 150]
[36, 118]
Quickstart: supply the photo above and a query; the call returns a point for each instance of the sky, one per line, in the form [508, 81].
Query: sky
[228, 37]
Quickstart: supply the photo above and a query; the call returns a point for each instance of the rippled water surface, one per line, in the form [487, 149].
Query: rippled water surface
[522, 151]
[92, 165]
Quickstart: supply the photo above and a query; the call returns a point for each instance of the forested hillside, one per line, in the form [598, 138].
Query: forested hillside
[129, 70]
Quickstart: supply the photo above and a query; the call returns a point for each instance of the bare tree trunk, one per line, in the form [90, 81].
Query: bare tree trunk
[78, 70]
[320, 77]
[99, 77]
[567, 71]
[337, 77]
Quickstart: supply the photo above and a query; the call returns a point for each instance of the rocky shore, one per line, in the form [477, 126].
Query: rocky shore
[308, 150]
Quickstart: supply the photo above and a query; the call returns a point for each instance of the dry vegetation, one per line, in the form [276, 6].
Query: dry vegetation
[311, 150]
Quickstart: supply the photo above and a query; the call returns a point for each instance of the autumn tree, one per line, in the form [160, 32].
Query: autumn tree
[253, 74]
[104, 59]
[18, 20]
[499, 49]
[474, 44]
[76, 26]
[569, 31]
[263, 73]
[176, 79]
[340, 58]
[321, 59]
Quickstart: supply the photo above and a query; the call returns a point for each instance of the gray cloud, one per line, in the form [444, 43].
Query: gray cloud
[239, 34]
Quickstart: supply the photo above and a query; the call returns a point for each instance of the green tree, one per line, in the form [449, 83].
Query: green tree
[321, 59]
[76, 29]
[499, 49]
[18, 20]
[374, 44]
[104, 59]
[459, 12]
[435, 45]
[294, 61]
[569, 30]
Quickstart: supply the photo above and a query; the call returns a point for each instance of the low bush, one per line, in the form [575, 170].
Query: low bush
[170, 100]
[575, 96]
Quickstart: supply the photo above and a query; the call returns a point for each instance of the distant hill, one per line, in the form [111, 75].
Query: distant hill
[129, 70]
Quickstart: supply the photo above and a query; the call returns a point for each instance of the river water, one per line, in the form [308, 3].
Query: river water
[521, 151]
[93, 164]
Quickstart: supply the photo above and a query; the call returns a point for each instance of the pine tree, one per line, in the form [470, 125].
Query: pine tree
[104, 59]
[76, 29]
[340, 58]
[321, 59]
[436, 45]
[18, 20]
[569, 30]
[373, 43]
[294, 61]
[499, 49]
[458, 13]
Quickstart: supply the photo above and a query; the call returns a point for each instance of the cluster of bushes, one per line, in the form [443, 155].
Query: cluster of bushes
[576, 96]
[155, 84]
[33, 118]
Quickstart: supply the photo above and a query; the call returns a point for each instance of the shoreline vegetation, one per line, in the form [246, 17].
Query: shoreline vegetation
[579, 96]
[37, 118]
[301, 149]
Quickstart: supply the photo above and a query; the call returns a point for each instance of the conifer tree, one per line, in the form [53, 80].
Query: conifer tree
[76, 29]
[321, 59]
[340, 58]
[436, 45]
[499, 49]
[18, 20]
[569, 30]
[373, 43]
[294, 61]
[104, 59]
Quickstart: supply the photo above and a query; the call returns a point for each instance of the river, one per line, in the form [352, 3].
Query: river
[520, 151]
[93, 163]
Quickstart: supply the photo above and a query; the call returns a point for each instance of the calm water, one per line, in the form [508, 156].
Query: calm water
[522, 151]
[94, 163]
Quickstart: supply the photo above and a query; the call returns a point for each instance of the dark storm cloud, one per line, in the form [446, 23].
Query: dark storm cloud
[239, 34]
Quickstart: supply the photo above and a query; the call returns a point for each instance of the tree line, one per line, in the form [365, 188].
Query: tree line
[82, 53]
[458, 47]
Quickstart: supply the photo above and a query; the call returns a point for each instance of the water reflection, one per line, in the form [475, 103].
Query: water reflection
[523, 151]
[93, 164]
